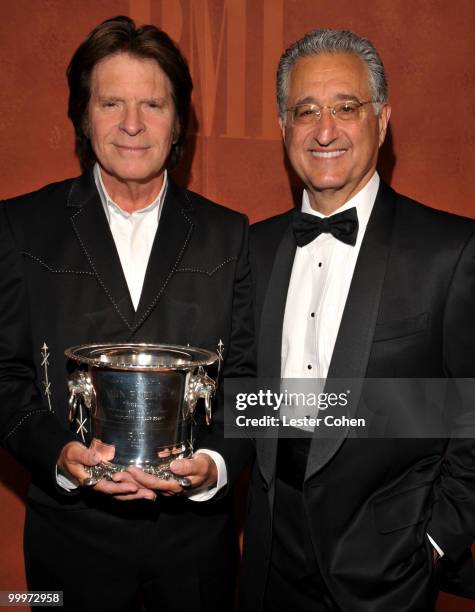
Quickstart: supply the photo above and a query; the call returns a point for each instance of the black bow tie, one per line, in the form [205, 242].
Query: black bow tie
[344, 226]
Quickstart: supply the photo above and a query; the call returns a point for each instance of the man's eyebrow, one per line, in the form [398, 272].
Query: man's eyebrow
[338, 97]
[306, 100]
[158, 99]
[109, 98]
[345, 96]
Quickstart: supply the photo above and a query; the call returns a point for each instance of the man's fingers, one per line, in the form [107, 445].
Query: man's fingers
[115, 488]
[74, 456]
[124, 487]
[199, 470]
[124, 491]
[185, 467]
[75, 452]
[156, 484]
[87, 456]
[124, 477]
[189, 469]
[78, 458]
[141, 494]
[106, 451]
[131, 484]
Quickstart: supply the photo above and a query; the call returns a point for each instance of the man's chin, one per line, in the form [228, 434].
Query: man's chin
[328, 186]
[134, 175]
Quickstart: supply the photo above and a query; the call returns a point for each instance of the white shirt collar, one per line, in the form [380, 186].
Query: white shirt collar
[110, 206]
[363, 201]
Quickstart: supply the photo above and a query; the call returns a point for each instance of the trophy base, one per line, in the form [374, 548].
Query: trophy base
[104, 471]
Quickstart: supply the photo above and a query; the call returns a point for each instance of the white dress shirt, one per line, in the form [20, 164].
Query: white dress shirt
[318, 290]
[133, 235]
[319, 284]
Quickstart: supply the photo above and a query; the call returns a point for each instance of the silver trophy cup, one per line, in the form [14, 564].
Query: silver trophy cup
[140, 399]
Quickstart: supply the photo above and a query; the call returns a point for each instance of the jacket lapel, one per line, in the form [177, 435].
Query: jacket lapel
[355, 336]
[90, 225]
[270, 336]
[172, 237]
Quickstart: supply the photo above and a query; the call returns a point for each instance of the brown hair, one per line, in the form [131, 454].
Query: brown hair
[120, 35]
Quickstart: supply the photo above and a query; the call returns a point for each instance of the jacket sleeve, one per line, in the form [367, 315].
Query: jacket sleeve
[453, 520]
[28, 429]
[239, 363]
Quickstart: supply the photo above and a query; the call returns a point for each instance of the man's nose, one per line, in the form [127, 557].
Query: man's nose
[132, 122]
[325, 129]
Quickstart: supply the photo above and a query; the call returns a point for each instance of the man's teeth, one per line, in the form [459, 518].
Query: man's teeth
[327, 154]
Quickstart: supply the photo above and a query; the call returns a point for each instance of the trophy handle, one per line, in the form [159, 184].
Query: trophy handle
[81, 392]
[200, 386]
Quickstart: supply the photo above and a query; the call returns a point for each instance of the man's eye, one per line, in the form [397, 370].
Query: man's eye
[348, 108]
[109, 104]
[306, 111]
[155, 104]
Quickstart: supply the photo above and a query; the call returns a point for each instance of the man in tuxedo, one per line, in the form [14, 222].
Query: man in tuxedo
[120, 254]
[360, 283]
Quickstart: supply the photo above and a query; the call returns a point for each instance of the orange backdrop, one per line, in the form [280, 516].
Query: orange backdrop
[235, 155]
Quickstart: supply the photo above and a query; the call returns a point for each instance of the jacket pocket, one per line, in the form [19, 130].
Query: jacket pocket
[402, 509]
[400, 329]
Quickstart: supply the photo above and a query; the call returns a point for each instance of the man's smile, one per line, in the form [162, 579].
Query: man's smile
[128, 149]
[328, 154]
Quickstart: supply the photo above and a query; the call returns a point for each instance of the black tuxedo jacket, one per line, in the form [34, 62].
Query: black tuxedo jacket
[61, 284]
[409, 313]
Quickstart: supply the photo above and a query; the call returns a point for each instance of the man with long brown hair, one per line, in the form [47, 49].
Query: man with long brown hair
[120, 254]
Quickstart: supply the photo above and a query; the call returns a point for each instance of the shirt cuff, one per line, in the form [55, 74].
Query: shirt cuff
[437, 548]
[206, 493]
[68, 483]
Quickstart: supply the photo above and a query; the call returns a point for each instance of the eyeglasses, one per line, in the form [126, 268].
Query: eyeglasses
[306, 114]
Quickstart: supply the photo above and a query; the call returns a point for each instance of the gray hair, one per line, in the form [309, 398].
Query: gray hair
[333, 41]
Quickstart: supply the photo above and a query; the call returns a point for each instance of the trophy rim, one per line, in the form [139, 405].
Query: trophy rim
[76, 353]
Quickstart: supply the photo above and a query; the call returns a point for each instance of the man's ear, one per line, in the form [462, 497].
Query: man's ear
[176, 132]
[85, 128]
[85, 124]
[383, 121]
[282, 128]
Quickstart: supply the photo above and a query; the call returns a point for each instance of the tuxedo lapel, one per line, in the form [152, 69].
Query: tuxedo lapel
[355, 336]
[270, 335]
[93, 232]
[171, 240]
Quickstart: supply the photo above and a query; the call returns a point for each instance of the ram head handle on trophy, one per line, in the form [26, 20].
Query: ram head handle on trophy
[200, 386]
